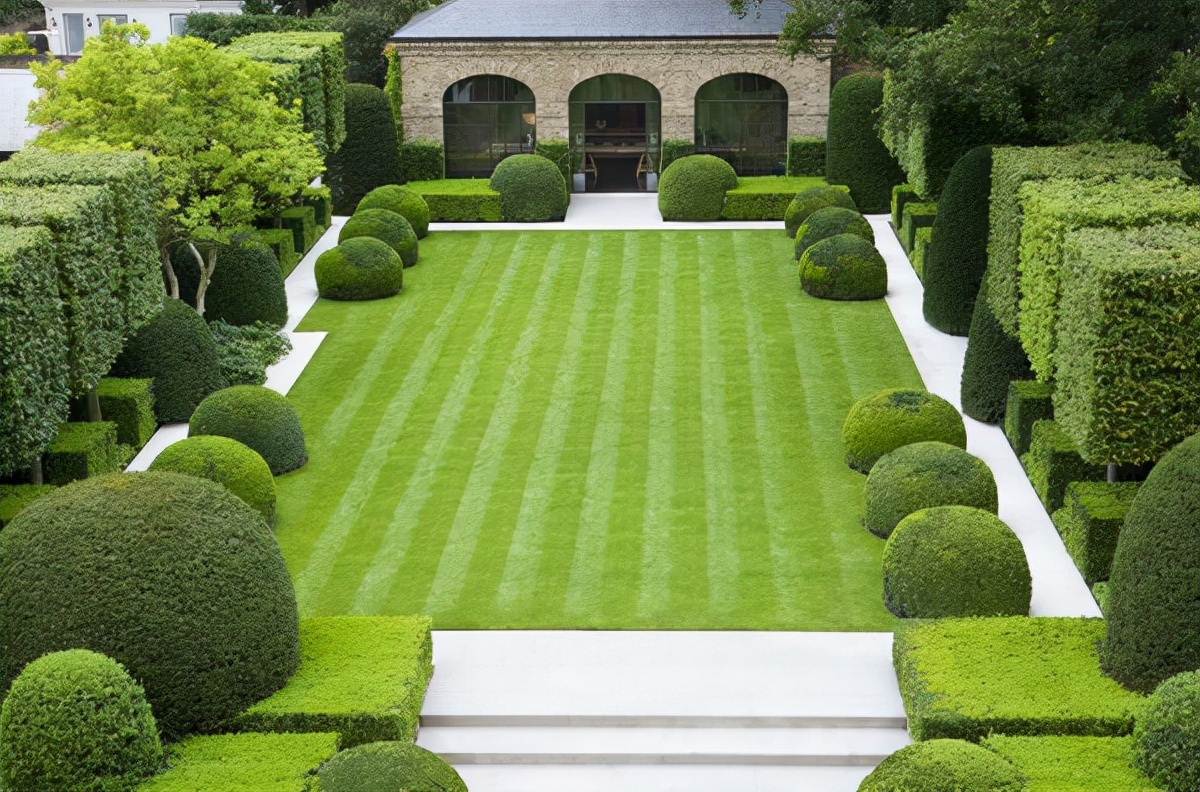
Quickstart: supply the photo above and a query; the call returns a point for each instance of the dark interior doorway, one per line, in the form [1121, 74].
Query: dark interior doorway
[615, 151]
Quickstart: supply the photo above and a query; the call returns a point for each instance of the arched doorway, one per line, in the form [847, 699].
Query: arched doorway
[486, 118]
[614, 123]
[742, 118]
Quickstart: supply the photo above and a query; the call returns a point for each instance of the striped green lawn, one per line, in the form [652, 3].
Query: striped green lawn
[592, 430]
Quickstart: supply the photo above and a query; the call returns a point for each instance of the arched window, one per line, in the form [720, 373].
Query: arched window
[742, 118]
[485, 119]
[614, 122]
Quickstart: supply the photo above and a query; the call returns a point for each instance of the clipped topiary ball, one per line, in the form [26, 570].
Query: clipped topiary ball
[532, 189]
[404, 202]
[943, 766]
[955, 561]
[236, 466]
[694, 187]
[1166, 735]
[921, 475]
[843, 267]
[895, 417]
[388, 766]
[828, 222]
[172, 576]
[246, 287]
[258, 417]
[176, 350]
[386, 226]
[76, 720]
[1154, 585]
[361, 268]
[808, 201]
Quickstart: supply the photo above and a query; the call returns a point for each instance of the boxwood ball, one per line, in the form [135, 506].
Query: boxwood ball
[694, 187]
[384, 225]
[404, 202]
[258, 417]
[238, 467]
[942, 765]
[843, 267]
[532, 189]
[921, 475]
[831, 221]
[387, 766]
[361, 268]
[808, 201]
[895, 417]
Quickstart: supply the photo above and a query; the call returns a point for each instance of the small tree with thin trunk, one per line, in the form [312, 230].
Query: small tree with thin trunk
[229, 153]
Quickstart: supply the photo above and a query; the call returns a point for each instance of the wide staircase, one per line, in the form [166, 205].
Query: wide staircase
[576, 711]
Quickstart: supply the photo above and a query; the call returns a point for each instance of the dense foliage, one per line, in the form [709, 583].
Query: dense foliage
[843, 267]
[808, 201]
[855, 156]
[369, 156]
[831, 221]
[1090, 521]
[386, 226]
[245, 352]
[246, 287]
[993, 360]
[404, 765]
[1053, 462]
[806, 156]
[922, 475]
[237, 467]
[1029, 401]
[532, 189]
[361, 268]
[694, 187]
[422, 159]
[1061, 762]
[1166, 736]
[258, 417]
[937, 765]
[404, 202]
[892, 418]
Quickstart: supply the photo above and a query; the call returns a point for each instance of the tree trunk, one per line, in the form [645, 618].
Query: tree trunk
[169, 271]
[35, 472]
[1111, 473]
[93, 406]
[206, 271]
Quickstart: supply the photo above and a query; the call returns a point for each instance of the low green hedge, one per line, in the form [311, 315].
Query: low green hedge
[916, 215]
[921, 241]
[422, 159]
[1090, 521]
[693, 188]
[765, 197]
[282, 243]
[1077, 764]
[83, 450]
[459, 200]
[302, 222]
[673, 150]
[404, 765]
[895, 417]
[129, 403]
[532, 189]
[843, 267]
[1029, 401]
[361, 676]
[361, 268]
[942, 765]
[321, 201]
[1053, 462]
[15, 497]
[806, 156]
[810, 200]
[401, 200]
[1166, 736]
[386, 226]
[993, 360]
[831, 221]
[1019, 675]
[237, 467]
[258, 417]
[558, 151]
[920, 475]
[901, 195]
[245, 763]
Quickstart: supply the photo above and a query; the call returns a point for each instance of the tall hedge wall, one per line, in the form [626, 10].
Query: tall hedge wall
[33, 346]
[854, 154]
[369, 158]
[1128, 359]
[1054, 207]
[133, 180]
[1012, 167]
[333, 78]
[89, 283]
[221, 29]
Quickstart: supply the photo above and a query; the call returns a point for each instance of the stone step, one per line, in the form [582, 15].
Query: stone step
[660, 778]
[845, 747]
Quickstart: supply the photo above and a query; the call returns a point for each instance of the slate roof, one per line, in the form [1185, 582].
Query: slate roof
[573, 20]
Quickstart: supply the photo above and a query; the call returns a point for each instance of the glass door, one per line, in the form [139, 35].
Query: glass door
[73, 27]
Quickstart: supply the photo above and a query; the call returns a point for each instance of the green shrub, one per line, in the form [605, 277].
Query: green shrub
[808, 201]
[403, 765]
[247, 351]
[806, 156]
[673, 150]
[916, 215]
[459, 200]
[1051, 209]
[386, 226]
[258, 417]
[765, 197]
[1166, 735]
[1100, 593]
[920, 248]
[276, 762]
[221, 29]
[302, 222]
[1019, 675]
[1080, 764]
[321, 201]
[531, 189]
[170, 575]
[993, 360]
[422, 159]
[237, 467]
[920, 475]
[886, 420]
[76, 720]
[1029, 401]
[246, 287]
[369, 158]
[694, 187]
[901, 194]
[855, 156]
[1089, 522]
[1128, 341]
[129, 403]
[404, 202]
[177, 351]
[843, 267]
[282, 243]
[33, 346]
[362, 268]
[1012, 167]
[15, 497]
[82, 450]
[558, 151]
[831, 221]
[941, 765]
[1153, 621]
[955, 561]
[1053, 462]
[333, 77]
[361, 676]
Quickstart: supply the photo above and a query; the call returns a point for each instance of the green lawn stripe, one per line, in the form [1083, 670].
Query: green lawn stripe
[658, 518]
[379, 577]
[464, 531]
[586, 579]
[518, 583]
[311, 580]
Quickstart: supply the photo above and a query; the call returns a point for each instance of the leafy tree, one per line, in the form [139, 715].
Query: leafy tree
[229, 154]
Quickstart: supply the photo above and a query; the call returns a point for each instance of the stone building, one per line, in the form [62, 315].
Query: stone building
[615, 78]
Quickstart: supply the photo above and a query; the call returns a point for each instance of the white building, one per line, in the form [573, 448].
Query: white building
[71, 22]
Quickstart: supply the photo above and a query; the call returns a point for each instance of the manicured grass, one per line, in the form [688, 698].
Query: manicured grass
[593, 430]
[777, 184]
[245, 763]
[452, 187]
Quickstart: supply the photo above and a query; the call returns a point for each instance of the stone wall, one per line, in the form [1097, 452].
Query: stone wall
[552, 68]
